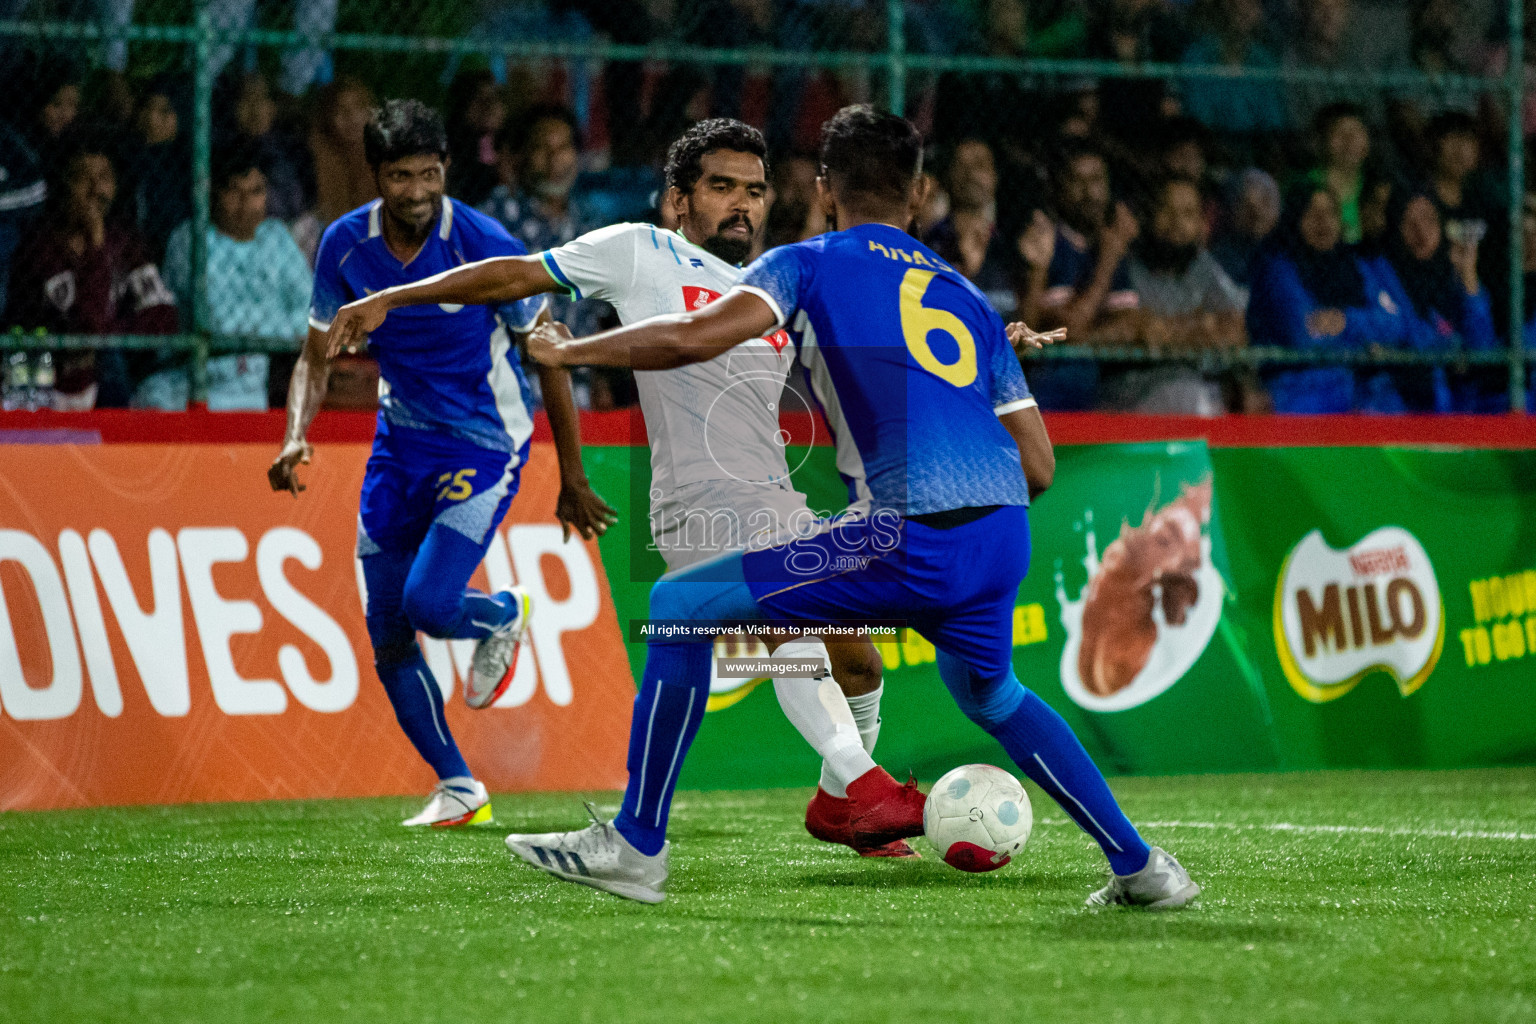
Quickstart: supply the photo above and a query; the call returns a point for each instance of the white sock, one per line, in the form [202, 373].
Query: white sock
[866, 718]
[818, 709]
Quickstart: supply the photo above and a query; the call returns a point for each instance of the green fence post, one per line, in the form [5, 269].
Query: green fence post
[1515, 81]
[202, 131]
[896, 44]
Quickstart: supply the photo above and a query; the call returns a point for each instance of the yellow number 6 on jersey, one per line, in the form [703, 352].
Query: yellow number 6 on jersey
[917, 320]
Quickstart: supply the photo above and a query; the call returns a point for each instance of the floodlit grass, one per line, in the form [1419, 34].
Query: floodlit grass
[322, 911]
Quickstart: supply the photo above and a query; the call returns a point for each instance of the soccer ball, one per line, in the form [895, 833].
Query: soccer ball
[977, 817]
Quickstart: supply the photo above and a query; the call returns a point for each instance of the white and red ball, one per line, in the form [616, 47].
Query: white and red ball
[977, 817]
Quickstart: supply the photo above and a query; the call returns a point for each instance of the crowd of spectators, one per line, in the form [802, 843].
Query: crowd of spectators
[1180, 217]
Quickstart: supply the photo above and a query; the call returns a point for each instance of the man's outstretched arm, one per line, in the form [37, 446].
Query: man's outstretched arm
[578, 506]
[486, 282]
[306, 392]
[662, 342]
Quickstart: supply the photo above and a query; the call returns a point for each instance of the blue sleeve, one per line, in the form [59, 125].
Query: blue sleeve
[1280, 306]
[331, 291]
[1477, 330]
[485, 238]
[1383, 320]
[777, 277]
[1009, 389]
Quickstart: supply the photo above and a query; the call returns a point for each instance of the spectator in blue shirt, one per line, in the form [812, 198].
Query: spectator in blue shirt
[1312, 292]
[1448, 307]
[258, 286]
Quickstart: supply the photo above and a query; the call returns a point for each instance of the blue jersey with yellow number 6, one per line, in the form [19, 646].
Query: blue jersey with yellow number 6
[909, 363]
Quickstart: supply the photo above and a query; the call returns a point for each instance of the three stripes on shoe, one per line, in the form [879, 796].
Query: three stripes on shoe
[560, 856]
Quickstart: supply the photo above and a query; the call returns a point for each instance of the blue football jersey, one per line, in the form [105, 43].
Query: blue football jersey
[446, 368]
[908, 361]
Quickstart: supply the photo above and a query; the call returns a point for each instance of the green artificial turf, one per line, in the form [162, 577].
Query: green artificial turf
[328, 910]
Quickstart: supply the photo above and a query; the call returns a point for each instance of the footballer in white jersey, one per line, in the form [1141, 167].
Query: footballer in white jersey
[719, 481]
[719, 477]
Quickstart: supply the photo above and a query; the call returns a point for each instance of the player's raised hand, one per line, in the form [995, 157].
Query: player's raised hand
[354, 322]
[1022, 337]
[283, 473]
[581, 507]
[545, 341]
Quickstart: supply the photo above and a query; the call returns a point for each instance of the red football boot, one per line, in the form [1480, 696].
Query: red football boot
[826, 818]
[882, 810]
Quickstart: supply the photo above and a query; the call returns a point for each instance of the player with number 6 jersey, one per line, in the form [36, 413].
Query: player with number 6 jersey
[937, 408]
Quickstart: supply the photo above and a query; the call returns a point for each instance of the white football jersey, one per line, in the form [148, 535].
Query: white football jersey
[711, 421]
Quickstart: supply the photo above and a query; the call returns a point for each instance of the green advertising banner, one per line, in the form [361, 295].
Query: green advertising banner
[1199, 610]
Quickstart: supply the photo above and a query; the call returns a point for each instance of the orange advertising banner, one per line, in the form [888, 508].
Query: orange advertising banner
[172, 631]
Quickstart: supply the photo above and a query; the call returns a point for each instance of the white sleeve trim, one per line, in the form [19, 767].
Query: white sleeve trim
[1023, 403]
[317, 325]
[778, 314]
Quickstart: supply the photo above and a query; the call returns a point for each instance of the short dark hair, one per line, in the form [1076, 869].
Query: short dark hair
[76, 145]
[685, 156]
[516, 133]
[1452, 122]
[1332, 113]
[403, 128]
[867, 152]
[1174, 132]
[232, 162]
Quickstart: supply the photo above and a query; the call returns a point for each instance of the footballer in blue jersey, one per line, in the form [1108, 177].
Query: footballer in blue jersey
[454, 428]
[922, 380]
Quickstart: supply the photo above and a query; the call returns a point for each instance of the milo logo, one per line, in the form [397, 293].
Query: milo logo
[1340, 615]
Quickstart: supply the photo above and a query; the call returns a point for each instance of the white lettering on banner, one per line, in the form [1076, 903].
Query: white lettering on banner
[156, 639]
[276, 547]
[61, 696]
[99, 665]
[553, 619]
[218, 619]
[155, 632]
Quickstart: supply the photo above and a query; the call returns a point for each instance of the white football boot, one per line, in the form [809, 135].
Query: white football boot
[1162, 885]
[460, 800]
[496, 656]
[597, 856]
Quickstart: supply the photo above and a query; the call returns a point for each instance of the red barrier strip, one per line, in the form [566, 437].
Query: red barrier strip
[624, 427]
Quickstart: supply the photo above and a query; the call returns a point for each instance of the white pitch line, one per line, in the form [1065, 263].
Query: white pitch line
[1285, 826]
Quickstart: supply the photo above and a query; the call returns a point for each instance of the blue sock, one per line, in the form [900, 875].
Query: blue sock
[418, 704]
[668, 710]
[414, 694]
[1043, 744]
